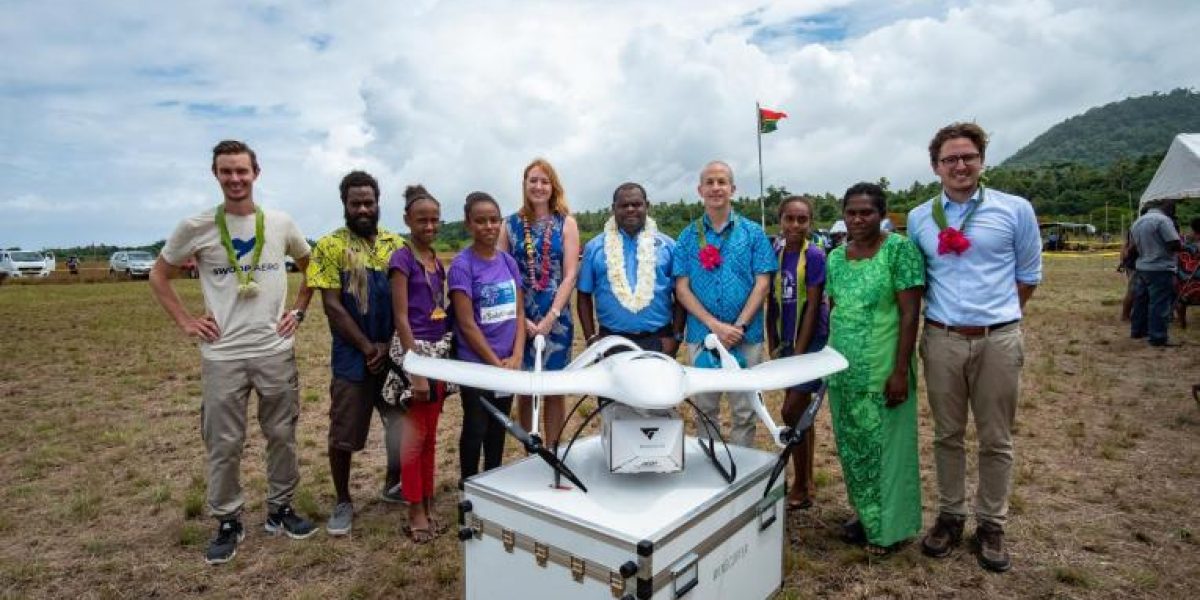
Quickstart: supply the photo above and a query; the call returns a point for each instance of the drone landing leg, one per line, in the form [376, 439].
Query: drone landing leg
[532, 443]
[710, 449]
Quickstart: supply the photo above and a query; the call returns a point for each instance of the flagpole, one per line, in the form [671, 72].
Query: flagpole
[762, 210]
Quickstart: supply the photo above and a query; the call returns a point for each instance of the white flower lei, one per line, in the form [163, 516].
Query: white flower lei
[614, 256]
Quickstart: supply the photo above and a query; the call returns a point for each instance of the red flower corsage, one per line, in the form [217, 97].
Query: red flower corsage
[952, 240]
[710, 257]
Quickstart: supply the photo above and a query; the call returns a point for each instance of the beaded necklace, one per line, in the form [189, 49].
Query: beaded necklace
[537, 282]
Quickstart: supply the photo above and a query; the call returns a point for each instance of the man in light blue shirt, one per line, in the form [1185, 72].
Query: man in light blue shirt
[636, 300]
[722, 267]
[983, 261]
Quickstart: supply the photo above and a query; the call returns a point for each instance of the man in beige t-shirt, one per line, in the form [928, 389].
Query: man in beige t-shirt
[245, 341]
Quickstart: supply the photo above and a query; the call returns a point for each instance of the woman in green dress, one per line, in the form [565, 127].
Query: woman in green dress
[875, 283]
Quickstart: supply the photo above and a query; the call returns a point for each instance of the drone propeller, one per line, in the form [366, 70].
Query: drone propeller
[791, 436]
[532, 443]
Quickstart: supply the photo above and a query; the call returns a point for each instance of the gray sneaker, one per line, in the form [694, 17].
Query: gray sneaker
[392, 495]
[341, 520]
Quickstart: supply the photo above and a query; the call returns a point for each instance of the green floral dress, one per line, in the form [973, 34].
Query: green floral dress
[877, 446]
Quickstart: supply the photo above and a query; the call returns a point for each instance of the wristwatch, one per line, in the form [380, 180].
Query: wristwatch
[741, 326]
[298, 315]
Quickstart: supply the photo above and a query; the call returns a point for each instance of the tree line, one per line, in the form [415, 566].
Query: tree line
[1106, 197]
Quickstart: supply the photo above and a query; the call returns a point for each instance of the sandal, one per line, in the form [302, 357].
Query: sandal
[437, 526]
[421, 535]
[878, 551]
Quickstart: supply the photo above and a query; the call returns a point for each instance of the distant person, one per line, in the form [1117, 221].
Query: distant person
[625, 279]
[245, 342]
[1156, 241]
[722, 266]
[874, 284]
[350, 267]
[422, 315]
[1187, 286]
[1128, 266]
[543, 237]
[489, 326]
[73, 265]
[837, 234]
[798, 323]
[983, 261]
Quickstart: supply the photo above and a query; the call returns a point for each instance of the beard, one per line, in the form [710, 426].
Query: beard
[363, 226]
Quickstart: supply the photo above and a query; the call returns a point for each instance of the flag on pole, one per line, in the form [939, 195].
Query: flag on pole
[768, 120]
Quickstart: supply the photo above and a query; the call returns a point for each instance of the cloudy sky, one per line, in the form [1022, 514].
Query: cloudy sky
[109, 109]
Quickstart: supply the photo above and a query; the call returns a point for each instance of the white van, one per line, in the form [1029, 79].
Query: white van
[25, 263]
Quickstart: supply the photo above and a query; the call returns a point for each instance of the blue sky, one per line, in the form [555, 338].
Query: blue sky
[109, 109]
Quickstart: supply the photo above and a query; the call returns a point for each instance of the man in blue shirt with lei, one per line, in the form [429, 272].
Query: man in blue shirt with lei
[722, 268]
[625, 277]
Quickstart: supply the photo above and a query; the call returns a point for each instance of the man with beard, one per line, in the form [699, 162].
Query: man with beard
[626, 277]
[349, 266]
[246, 342]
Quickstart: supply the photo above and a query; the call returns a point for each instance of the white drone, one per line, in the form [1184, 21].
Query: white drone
[641, 379]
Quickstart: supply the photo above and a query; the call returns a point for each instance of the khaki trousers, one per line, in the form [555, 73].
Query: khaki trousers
[980, 375]
[226, 388]
[741, 405]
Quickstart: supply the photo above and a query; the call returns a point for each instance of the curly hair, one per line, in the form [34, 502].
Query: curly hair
[357, 179]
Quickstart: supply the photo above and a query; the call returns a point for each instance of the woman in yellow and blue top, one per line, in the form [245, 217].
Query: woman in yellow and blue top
[798, 323]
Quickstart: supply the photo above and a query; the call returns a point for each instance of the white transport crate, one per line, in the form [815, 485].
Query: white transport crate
[687, 534]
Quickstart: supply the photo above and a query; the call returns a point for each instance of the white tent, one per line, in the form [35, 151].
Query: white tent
[1178, 174]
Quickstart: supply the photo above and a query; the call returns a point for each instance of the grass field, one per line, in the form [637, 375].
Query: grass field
[101, 467]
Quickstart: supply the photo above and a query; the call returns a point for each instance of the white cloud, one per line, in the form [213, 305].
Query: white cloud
[109, 120]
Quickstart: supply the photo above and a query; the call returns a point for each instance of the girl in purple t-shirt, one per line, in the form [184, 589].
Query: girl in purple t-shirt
[485, 292]
[419, 306]
[797, 323]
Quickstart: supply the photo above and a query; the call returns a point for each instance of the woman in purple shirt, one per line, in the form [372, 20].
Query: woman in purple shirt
[798, 323]
[419, 305]
[489, 323]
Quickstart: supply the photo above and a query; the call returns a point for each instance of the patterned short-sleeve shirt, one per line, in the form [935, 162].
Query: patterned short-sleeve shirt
[745, 253]
[328, 270]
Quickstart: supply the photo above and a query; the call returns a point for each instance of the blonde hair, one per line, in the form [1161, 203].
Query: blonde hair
[558, 196]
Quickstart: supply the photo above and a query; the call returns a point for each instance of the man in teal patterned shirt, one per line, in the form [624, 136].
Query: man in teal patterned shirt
[722, 268]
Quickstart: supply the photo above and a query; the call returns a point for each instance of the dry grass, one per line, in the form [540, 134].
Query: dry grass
[102, 468]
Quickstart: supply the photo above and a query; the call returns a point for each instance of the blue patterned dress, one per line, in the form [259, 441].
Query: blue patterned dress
[538, 302]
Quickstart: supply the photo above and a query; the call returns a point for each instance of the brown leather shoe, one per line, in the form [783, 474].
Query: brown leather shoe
[992, 555]
[945, 534]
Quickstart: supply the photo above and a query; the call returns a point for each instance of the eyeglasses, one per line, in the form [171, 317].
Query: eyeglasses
[968, 159]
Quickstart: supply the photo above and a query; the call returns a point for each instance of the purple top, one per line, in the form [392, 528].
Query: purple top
[814, 275]
[426, 291]
[492, 285]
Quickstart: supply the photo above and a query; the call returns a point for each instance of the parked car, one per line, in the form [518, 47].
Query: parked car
[130, 263]
[25, 263]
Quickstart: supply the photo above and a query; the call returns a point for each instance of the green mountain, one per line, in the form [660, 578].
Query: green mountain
[1127, 129]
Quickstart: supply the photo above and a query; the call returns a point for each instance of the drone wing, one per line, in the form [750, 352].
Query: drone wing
[772, 375]
[593, 380]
